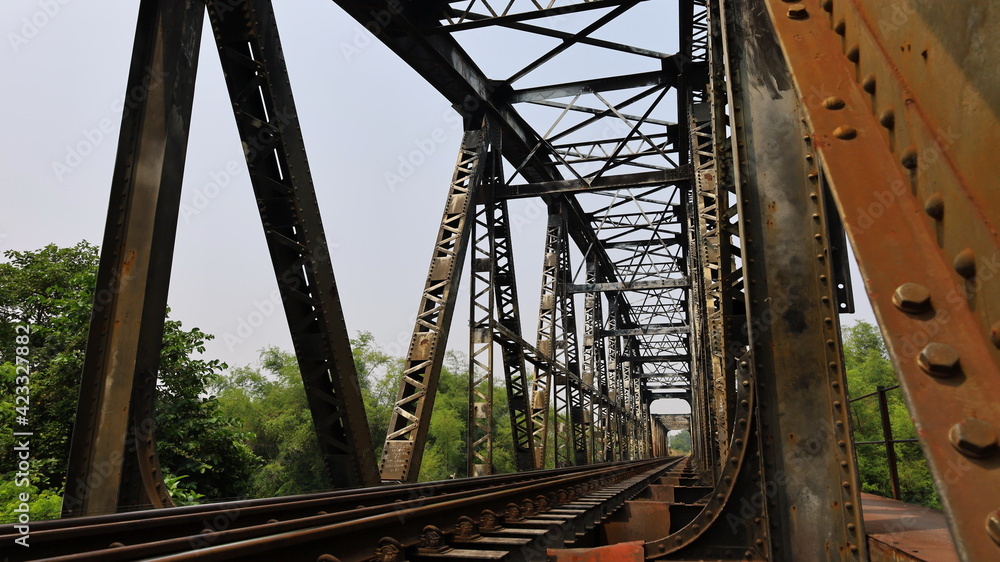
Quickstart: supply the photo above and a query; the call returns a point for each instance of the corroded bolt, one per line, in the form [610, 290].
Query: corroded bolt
[912, 297]
[939, 359]
[934, 206]
[868, 83]
[845, 133]
[833, 102]
[887, 118]
[974, 437]
[965, 263]
[797, 12]
[993, 525]
[909, 158]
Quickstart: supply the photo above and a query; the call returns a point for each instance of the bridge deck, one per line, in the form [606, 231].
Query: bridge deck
[902, 531]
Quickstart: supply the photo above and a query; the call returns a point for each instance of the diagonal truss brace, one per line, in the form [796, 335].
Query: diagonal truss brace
[411, 415]
[250, 51]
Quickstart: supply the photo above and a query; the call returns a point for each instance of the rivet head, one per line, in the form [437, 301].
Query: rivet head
[845, 133]
[853, 53]
[797, 12]
[939, 360]
[868, 83]
[909, 158]
[887, 118]
[833, 102]
[912, 297]
[965, 263]
[934, 206]
[974, 437]
[993, 525]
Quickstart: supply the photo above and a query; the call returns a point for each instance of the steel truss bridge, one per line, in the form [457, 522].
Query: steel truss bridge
[710, 189]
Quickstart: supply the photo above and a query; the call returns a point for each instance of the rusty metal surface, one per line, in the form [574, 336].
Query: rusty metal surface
[411, 418]
[902, 104]
[621, 552]
[126, 328]
[902, 531]
[353, 525]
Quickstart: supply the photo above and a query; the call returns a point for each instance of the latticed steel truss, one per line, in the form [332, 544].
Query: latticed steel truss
[695, 181]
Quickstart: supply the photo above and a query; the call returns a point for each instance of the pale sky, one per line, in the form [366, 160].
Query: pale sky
[362, 111]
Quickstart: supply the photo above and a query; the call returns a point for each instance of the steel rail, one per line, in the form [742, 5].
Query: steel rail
[50, 538]
[444, 502]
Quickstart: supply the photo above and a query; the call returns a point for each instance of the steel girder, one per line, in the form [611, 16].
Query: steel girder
[644, 229]
[901, 104]
[411, 415]
[126, 329]
[257, 79]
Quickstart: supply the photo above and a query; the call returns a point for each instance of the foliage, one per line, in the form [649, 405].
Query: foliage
[680, 443]
[270, 401]
[52, 290]
[42, 504]
[868, 367]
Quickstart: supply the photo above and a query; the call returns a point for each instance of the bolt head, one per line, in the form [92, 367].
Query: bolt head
[974, 437]
[934, 206]
[912, 297]
[993, 525]
[939, 360]
[868, 83]
[965, 263]
[845, 133]
[833, 102]
[797, 12]
[887, 118]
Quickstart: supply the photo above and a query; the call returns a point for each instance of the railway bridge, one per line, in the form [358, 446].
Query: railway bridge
[707, 167]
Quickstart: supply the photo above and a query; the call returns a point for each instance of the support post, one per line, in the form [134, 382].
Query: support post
[126, 328]
[890, 444]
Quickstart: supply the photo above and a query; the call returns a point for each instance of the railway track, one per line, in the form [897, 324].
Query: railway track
[503, 517]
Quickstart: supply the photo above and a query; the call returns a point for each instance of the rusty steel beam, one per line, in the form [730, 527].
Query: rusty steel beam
[411, 416]
[257, 79]
[126, 327]
[901, 103]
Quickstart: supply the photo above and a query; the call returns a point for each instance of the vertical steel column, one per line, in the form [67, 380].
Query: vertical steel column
[404, 444]
[615, 394]
[479, 442]
[890, 445]
[509, 319]
[569, 347]
[542, 384]
[795, 333]
[250, 51]
[126, 328]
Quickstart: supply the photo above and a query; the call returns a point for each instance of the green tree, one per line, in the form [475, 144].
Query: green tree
[51, 290]
[680, 443]
[868, 367]
[270, 401]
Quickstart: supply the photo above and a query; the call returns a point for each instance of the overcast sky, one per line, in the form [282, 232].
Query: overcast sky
[362, 110]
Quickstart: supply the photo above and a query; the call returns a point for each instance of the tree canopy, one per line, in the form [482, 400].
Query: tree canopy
[247, 431]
